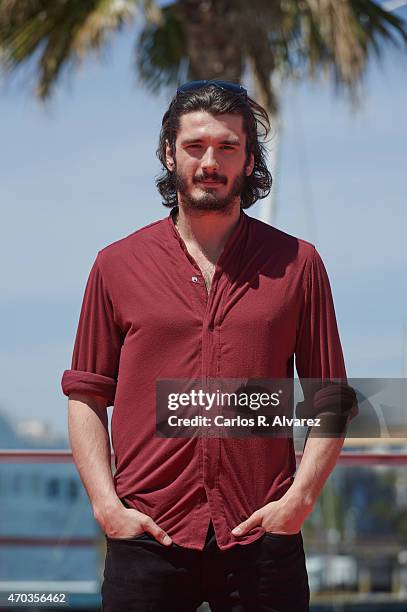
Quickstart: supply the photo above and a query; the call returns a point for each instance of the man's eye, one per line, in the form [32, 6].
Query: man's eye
[227, 147]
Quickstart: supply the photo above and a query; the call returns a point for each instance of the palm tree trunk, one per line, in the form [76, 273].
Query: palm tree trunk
[213, 49]
[268, 206]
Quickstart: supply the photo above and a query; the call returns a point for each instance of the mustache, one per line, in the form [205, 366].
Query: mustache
[210, 177]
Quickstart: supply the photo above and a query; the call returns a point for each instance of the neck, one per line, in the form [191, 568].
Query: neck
[207, 231]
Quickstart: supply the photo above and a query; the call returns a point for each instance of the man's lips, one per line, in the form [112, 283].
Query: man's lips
[210, 182]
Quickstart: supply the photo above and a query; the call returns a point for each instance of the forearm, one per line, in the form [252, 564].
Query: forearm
[318, 460]
[287, 514]
[89, 438]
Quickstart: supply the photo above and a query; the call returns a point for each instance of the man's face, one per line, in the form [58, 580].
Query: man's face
[210, 164]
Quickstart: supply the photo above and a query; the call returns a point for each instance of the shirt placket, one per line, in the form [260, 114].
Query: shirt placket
[209, 445]
[209, 348]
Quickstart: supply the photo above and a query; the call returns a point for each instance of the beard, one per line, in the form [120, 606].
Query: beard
[209, 200]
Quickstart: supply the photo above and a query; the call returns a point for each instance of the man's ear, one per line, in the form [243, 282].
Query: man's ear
[169, 158]
[250, 165]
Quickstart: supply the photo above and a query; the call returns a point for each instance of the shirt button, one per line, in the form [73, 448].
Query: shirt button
[194, 279]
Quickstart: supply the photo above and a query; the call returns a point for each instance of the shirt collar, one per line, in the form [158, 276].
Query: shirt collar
[234, 239]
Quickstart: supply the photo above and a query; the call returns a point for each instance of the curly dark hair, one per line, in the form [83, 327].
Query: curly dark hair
[216, 101]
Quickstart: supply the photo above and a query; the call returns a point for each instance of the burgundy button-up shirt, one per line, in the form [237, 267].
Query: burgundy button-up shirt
[147, 315]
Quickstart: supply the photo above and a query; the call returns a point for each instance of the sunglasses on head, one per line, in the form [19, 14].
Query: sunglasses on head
[225, 85]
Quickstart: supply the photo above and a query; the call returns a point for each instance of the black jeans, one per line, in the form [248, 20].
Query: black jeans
[142, 575]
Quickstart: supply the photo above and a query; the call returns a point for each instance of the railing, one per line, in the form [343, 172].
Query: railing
[86, 594]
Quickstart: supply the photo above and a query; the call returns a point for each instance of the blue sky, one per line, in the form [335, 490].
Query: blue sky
[79, 173]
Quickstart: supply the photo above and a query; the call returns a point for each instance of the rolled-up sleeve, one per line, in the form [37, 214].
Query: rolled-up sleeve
[96, 354]
[318, 352]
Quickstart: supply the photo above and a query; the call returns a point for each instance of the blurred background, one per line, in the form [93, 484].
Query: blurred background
[83, 90]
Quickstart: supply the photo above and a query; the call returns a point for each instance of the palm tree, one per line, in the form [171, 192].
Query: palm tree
[277, 40]
[197, 39]
[202, 38]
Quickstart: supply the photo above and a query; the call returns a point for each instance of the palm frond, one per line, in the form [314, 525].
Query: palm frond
[203, 38]
[60, 32]
[161, 49]
[262, 56]
[379, 25]
[337, 36]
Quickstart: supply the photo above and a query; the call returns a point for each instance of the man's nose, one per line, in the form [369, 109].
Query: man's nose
[209, 161]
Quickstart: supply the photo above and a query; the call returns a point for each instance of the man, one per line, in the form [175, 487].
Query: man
[206, 292]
